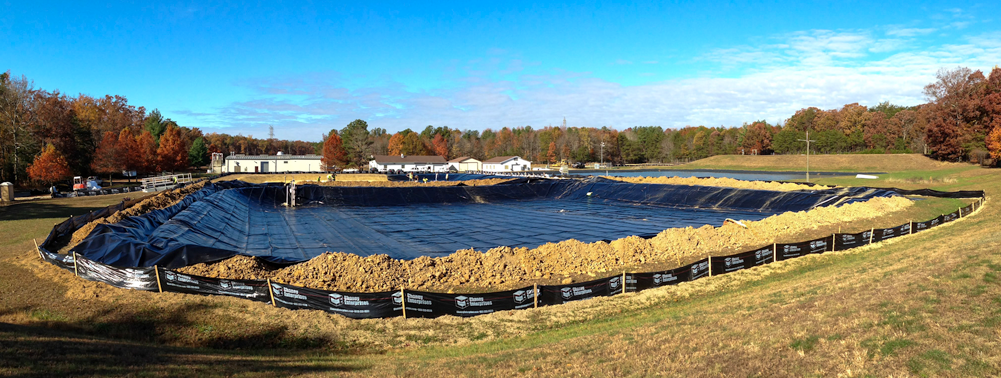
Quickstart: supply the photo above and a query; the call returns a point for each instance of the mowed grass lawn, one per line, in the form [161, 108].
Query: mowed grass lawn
[924, 305]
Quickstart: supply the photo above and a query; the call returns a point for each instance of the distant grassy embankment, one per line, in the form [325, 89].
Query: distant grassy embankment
[827, 163]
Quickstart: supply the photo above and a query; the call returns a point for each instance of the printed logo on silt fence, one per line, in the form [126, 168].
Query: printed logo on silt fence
[397, 298]
[663, 279]
[614, 283]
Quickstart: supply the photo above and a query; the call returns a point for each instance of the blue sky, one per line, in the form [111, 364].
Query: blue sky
[306, 68]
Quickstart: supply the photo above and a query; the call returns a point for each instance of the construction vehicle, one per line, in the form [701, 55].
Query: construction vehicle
[79, 184]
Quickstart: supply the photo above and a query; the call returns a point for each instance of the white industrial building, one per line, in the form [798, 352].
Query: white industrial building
[408, 163]
[465, 164]
[240, 163]
[507, 164]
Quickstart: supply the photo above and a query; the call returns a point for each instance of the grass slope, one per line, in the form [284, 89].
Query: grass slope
[925, 305]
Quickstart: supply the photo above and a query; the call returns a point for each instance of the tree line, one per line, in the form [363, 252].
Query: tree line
[84, 135]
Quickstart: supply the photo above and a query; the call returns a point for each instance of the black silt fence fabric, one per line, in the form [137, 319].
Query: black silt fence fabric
[967, 210]
[643, 281]
[848, 241]
[558, 294]
[881, 234]
[922, 226]
[950, 217]
[432, 305]
[352, 305]
[787, 251]
[185, 283]
[62, 261]
[125, 278]
[743, 260]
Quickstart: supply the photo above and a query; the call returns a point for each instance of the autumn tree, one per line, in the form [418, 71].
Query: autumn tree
[413, 145]
[172, 155]
[130, 151]
[107, 157]
[49, 166]
[56, 124]
[551, 155]
[956, 122]
[440, 146]
[334, 154]
[758, 138]
[395, 146]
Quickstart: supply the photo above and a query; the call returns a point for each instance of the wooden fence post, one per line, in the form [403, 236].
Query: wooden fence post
[535, 289]
[911, 228]
[75, 271]
[872, 232]
[710, 258]
[38, 249]
[403, 301]
[157, 271]
[271, 291]
[775, 252]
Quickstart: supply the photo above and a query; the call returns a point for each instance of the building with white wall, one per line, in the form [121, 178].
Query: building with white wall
[382, 163]
[507, 164]
[465, 164]
[240, 163]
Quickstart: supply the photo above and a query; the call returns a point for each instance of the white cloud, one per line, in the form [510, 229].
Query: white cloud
[823, 68]
[909, 32]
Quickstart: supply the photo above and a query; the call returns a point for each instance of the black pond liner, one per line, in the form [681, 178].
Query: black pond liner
[235, 218]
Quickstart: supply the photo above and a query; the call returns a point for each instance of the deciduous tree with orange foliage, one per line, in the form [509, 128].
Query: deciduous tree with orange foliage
[334, 154]
[395, 146]
[49, 166]
[107, 158]
[146, 152]
[173, 152]
[440, 146]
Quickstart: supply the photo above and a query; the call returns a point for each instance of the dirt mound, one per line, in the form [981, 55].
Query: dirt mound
[849, 163]
[394, 184]
[713, 181]
[553, 263]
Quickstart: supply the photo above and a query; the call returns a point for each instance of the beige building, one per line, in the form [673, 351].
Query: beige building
[273, 163]
[465, 164]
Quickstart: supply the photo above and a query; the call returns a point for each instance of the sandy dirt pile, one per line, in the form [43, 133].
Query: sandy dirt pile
[721, 181]
[553, 263]
[483, 182]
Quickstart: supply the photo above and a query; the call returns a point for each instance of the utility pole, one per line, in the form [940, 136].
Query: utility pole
[807, 140]
[602, 154]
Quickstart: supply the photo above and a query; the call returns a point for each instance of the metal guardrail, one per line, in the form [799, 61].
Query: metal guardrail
[158, 183]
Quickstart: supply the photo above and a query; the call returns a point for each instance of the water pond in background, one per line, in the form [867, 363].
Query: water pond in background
[739, 175]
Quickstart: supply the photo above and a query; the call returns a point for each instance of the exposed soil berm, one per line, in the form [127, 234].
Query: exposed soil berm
[553, 263]
[847, 163]
[717, 181]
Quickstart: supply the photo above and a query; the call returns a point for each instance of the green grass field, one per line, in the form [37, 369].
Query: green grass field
[926, 305]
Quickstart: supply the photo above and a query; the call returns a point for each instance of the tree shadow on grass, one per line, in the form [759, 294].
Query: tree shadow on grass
[36, 352]
[47, 209]
[190, 325]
